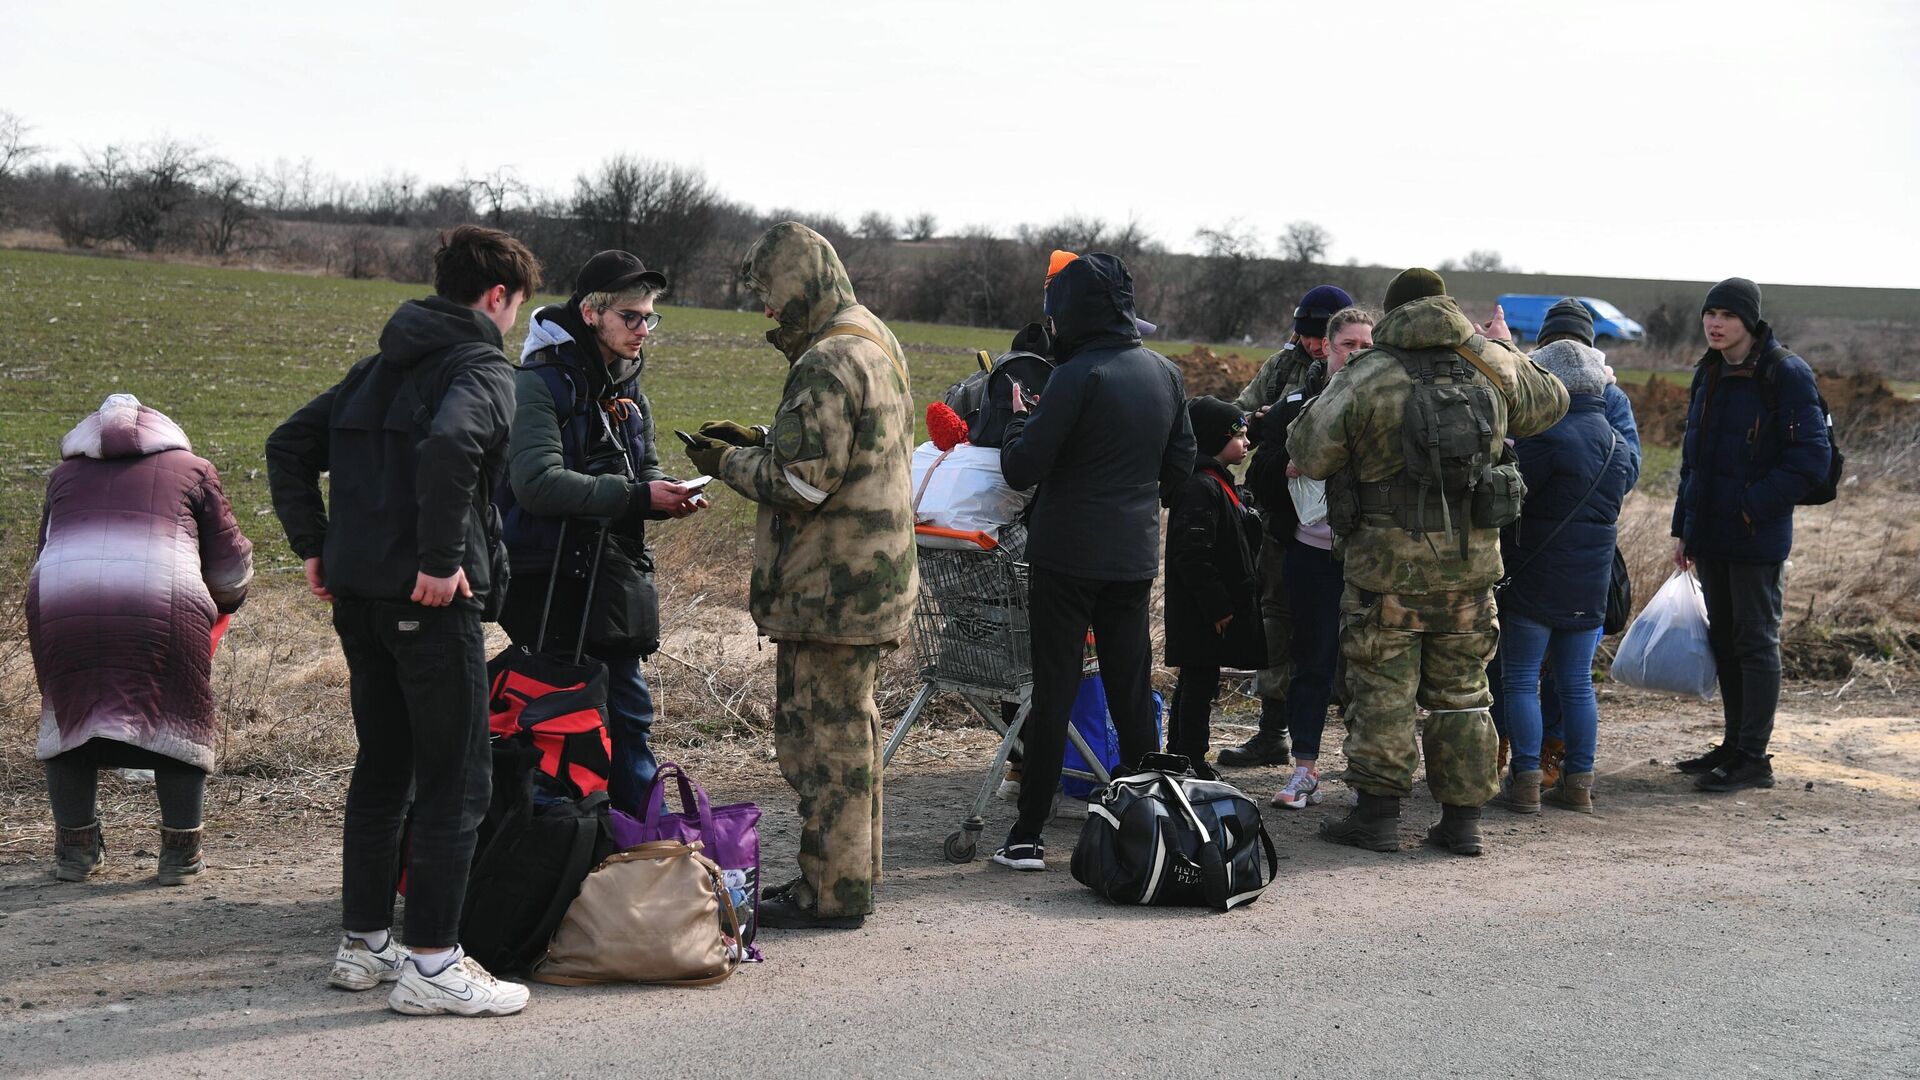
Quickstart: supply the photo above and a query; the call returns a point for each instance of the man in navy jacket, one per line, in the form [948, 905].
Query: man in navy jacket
[1107, 445]
[1756, 444]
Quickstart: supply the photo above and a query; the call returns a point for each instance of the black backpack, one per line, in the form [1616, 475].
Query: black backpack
[1768, 372]
[528, 866]
[1164, 837]
[984, 399]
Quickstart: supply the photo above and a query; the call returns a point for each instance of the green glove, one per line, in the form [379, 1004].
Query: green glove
[733, 433]
[706, 455]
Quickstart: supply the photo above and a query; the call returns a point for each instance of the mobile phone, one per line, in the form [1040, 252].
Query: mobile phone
[696, 483]
[686, 438]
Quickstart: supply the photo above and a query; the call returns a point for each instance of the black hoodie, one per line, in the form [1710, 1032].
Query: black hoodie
[415, 438]
[1109, 440]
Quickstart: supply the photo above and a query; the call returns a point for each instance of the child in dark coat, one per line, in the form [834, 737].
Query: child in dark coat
[1213, 593]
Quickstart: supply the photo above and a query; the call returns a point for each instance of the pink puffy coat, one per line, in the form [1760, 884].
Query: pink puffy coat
[139, 553]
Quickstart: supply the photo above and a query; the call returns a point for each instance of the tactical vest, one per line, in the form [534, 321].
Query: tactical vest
[1459, 473]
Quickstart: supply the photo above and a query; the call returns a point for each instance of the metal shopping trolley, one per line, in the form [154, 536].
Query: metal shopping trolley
[971, 638]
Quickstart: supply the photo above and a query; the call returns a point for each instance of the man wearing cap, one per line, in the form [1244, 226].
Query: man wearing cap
[1284, 373]
[583, 454]
[1756, 444]
[1421, 551]
[834, 570]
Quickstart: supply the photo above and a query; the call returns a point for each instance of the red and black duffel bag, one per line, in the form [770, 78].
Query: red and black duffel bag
[560, 708]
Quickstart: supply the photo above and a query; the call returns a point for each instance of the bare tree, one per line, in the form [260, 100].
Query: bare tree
[1304, 242]
[922, 227]
[1485, 261]
[148, 188]
[497, 193]
[228, 219]
[1232, 285]
[663, 213]
[877, 227]
[15, 154]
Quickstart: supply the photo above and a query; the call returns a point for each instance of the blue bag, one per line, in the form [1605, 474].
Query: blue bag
[1090, 719]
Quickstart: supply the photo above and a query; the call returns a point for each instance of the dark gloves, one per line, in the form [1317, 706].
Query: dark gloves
[706, 454]
[733, 434]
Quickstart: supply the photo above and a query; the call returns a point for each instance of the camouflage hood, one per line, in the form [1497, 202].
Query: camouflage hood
[1431, 322]
[798, 274]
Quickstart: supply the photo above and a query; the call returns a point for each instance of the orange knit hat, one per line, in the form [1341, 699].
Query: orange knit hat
[1058, 262]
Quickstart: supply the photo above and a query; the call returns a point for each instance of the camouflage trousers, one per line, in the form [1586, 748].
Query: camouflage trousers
[826, 732]
[1271, 682]
[1406, 653]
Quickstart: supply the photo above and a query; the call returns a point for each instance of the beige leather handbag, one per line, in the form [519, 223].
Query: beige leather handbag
[652, 913]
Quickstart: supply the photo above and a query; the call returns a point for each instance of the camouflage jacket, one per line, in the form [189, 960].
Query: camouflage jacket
[1283, 372]
[1356, 424]
[833, 553]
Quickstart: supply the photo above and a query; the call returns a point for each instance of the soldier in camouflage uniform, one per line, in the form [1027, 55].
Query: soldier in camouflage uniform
[1417, 624]
[834, 575]
[1285, 372]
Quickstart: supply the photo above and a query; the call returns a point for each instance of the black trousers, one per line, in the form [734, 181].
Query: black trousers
[1745, 602]
[73, 783]
[1190, 720]
[419, 692]
[1061, 608]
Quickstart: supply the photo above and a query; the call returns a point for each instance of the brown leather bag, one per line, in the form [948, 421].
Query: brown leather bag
[652, 914]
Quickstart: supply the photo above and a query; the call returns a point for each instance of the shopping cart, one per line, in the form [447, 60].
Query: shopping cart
[971, 639]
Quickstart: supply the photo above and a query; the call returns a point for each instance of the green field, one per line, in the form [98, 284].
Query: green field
[229, 353]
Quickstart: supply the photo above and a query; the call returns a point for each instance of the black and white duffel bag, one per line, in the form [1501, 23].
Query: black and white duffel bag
[1163, 836]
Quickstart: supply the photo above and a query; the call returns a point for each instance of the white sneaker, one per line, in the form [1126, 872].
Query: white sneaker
[1301, 791]
[463, 988]
[357, 967]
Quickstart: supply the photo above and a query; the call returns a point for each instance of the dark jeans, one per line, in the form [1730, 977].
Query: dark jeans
[1190, 721]
[419, 693]
[73, 783]
[630, 726]
[1060, 608]
[1314, 582]
[1744, 607]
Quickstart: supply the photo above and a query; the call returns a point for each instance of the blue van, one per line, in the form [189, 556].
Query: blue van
[1526, 311]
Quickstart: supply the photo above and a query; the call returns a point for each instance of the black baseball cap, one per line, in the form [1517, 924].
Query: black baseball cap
[614, 271]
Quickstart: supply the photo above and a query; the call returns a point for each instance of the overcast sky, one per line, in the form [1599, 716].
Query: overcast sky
[1637, 138]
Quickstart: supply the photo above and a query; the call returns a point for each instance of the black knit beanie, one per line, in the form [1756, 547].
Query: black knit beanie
[1568, 318]
[1414, 284]
[1213, 422]
[1738, 295]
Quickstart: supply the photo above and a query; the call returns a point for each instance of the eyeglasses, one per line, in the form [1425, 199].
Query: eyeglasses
[633, 319]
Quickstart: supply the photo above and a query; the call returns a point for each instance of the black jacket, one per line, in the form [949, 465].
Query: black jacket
[415, 439]
[1109, 440]
[1267, 474]
[1211, 539]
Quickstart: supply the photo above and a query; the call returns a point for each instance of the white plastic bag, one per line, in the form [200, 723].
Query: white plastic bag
[1309, 499]
[1666, 648]
[962, 489]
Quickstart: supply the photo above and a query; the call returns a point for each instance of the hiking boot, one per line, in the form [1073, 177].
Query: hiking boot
[180, 860]
[1747, 771]
[1458, 829]
[1262, 749]
[78, 853]
[1302, 790]
[357, 967]
[462, 988]
[1373, 824]
[1573, 792]
[783, 911]
[1553, 760]
[1022, 855]
[1520, 792]
[1715, 757]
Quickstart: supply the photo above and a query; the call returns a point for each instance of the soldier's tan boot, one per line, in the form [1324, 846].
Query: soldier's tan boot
[1520, 792]
[180, 860]
[1373, 824]
[78, 853]
[1458, 830]
[1573, 792]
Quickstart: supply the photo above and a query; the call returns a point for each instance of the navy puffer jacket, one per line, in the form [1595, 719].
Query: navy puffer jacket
[1742, 471]
[1562, 582]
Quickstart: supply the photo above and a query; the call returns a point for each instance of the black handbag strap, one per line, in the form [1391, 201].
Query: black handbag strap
[1612, 448]
[579, 862]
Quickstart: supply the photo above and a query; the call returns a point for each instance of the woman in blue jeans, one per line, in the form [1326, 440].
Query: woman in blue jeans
[1559, 559]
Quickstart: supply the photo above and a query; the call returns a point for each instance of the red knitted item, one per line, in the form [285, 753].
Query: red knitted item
[944, 426]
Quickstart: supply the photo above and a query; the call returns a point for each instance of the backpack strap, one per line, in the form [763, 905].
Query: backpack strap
[579, 861]
[850, 330]
[1480, 364]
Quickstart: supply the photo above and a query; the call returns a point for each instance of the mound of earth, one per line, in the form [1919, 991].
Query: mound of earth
[1863, 405]
[1206, 372]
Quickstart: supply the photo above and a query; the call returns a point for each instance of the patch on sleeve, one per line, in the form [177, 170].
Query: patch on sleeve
[793, 441]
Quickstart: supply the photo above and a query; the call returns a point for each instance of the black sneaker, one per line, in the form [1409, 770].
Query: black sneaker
[1258, 751]
[1022, 855]
[1715, 757]
[1747, 772]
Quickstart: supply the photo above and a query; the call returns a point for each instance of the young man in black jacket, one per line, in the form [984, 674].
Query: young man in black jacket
[1107, 443]
[407, 549]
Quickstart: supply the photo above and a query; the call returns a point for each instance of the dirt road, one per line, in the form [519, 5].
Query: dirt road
[1772, 933]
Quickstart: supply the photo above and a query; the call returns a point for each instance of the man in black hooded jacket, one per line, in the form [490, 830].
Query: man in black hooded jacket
[406, 546]
[1106, 443]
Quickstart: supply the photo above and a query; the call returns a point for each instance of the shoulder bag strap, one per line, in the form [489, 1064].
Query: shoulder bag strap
[849, 330]
[579, 863]
[1473, 358]
[1612, 448]
[927, 479]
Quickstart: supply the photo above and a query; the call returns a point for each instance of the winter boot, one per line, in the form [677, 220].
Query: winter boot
[1269, 747]
[78, 853]
[1373, 824]
[179, 856]
[1573, 792]
[1520, 791]
[1458, 829]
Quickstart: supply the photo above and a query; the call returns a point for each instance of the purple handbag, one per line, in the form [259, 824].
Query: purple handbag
[729, 835]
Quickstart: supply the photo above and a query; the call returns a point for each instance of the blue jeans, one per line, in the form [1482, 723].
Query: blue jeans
[629, 725]
[1568, 655]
